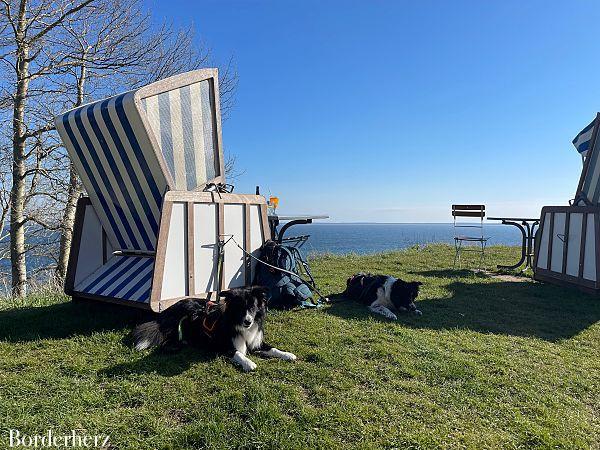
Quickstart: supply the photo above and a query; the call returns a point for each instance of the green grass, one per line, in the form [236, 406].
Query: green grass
[490, 364]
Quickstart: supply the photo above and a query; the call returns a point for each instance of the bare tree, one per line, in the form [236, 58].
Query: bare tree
[24, 32]
[117, 48]
[59, 54]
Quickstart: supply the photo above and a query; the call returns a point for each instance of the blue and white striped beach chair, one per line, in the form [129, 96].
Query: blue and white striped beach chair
[148, 235]
[567, 247]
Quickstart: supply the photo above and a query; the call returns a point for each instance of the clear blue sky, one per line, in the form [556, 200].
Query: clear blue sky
[390, 111]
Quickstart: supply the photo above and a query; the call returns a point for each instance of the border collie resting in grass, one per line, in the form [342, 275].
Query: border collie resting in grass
[233, 326]
[383, 293]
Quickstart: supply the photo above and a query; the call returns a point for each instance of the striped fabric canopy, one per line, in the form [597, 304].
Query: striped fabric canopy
[113, 156]
[183, 124]
[130, 149]
[583, 139]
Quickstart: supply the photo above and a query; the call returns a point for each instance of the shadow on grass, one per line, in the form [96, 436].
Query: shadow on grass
[161, 362]
[510, 308]
[451, 273]
[82, 318]
[63, 320]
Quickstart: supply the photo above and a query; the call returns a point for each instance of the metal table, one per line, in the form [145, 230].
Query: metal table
[275, 219]
[527, 227]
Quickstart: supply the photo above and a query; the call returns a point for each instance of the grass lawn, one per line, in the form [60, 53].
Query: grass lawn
[492, 363]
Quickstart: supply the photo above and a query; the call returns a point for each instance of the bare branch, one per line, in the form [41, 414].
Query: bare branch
[60, 20]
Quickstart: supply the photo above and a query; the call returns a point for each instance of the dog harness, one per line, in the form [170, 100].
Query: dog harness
[212, 314]
[180, 329]
[360, 278]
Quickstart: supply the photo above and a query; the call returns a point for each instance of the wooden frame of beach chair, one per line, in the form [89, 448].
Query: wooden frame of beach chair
[185, 265]
[567, 244]
[568, 248]
[147, 235]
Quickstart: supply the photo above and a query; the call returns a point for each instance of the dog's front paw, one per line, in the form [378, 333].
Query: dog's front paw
[276, 353]
[248, 365]
[287, 356]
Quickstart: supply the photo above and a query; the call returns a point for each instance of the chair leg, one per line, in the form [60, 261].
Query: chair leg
[481, 255]
[455, 253]
[458, 247]
[482, 259]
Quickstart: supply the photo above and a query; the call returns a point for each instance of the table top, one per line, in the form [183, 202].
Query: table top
[515, 219]
[296, 217]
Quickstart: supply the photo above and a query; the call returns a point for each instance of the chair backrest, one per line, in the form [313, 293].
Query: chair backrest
[132, 148]
[469, 216]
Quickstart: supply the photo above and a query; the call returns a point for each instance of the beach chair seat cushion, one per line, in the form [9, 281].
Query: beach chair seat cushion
[122, 277]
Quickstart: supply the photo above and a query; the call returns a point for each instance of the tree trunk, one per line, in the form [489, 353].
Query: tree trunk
[68, 221]
[17, 216]
[17, 193]
[75, 190]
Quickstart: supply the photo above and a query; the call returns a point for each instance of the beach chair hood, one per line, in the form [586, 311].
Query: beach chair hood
[130, 149]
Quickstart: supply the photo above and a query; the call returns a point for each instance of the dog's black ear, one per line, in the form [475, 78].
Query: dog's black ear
[227, 294]
[417, 283]
[260, 291]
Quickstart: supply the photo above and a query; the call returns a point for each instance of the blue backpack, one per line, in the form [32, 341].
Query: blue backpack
[286, 290]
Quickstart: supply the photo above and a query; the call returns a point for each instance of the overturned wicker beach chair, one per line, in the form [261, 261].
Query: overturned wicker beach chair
[155, 229]
[567, 247]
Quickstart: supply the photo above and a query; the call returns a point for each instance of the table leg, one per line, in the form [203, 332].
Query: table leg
[530, 243]
[528, 228]
[523, 245]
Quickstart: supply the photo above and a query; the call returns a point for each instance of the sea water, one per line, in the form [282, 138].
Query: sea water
[365, 238]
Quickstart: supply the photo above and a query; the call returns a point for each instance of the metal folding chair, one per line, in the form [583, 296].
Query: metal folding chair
[469, 217]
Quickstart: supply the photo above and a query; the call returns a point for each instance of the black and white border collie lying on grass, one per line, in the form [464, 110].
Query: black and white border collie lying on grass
[383, 294]
[233, 326]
